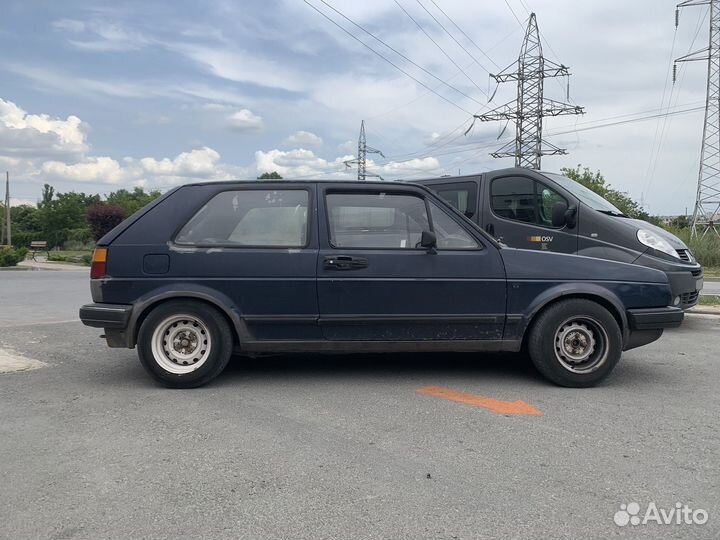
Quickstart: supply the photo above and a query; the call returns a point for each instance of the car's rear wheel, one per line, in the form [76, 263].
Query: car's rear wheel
[184, 343]
[575, 343]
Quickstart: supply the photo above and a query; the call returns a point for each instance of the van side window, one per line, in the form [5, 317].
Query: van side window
[376, 220]
[252, 217]
[462, 196]
[523, 199]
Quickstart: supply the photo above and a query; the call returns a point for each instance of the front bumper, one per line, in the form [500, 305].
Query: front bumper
[686, 278]
[655, 318]
[686, 285]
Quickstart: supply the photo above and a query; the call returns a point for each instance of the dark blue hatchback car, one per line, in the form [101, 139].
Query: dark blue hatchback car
[213, 269]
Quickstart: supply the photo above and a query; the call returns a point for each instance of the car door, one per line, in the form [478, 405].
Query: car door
[518, 212]
[376, 283]
[257, 245]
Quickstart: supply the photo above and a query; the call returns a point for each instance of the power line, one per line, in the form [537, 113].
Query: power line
[396, 52]
[451, 35]
[661, 142]
[440, 47]
[588, 126]
[514, 14]
[463, 33]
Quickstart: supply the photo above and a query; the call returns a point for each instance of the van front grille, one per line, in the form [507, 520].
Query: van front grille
[689, 298]
[684, 254]
[696, 273]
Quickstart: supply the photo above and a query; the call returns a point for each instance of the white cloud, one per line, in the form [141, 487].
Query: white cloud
[96, 170]
[298, 162]
[399, 169]
[303, 138]
[241, 66]
[102, 36]
[21, 202]
[38, 135]
[348, 146]
[244, 120]
[198, 163]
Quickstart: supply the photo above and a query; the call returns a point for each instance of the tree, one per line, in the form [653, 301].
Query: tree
[597, 183]
[26, 225]
[270, 176]
[104, 217]
[63, 214]
[132, 201]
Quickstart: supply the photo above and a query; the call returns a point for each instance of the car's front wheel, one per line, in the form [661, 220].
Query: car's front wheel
[184, 343]
[575, 343]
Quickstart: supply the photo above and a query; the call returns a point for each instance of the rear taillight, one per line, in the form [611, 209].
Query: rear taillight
[98, 269]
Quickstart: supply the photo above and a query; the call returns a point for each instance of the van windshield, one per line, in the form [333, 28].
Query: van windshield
[587, 196]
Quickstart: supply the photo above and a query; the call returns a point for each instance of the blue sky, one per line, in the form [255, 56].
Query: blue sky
[102, 95]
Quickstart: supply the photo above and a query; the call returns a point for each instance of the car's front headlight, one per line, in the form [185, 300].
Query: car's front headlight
[650, 239]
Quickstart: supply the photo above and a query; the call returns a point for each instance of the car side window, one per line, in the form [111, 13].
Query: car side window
[523, 199]
[547, 198]
[449, 234]
[376, 220]
[251, 217]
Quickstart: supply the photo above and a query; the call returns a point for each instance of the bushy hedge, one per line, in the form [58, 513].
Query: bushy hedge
[10, 256]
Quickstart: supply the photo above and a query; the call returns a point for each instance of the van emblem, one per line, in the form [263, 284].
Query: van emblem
[540, 239]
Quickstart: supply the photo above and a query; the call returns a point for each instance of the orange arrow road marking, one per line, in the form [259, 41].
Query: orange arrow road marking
[495, 405]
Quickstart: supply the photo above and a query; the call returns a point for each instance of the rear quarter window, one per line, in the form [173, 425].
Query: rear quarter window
[250, 218]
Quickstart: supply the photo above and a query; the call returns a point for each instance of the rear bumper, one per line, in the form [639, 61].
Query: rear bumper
[114, 316]
[655, 318]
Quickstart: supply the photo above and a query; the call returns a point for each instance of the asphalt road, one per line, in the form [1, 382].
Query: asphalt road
[344, 447]
[711, 287]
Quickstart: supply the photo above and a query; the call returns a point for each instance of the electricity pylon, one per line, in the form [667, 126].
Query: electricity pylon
[531, 106]
[363, 151]
[707, 199]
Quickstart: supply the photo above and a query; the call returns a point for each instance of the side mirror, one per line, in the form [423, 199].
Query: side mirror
[558, 214]
[571, 217]
[562, 215]
[428, 240]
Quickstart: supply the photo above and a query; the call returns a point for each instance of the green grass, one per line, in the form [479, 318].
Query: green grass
[709, 300]
[705, 249]
[711, 271]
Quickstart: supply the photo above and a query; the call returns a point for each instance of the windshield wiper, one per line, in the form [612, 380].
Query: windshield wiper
[613, 213]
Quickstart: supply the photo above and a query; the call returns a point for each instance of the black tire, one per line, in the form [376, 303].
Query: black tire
[196, 321]
[575, 343]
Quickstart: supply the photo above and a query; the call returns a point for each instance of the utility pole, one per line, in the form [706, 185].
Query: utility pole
[707, 198]
[363, 151]
[7, 209]
[531, 106]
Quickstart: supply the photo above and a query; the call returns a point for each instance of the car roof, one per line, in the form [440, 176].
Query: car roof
[290, 181]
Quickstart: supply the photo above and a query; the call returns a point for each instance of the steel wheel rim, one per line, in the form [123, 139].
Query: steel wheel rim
[581, 344]
[181, 344]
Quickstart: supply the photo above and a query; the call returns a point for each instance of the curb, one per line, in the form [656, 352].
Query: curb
[15, 268]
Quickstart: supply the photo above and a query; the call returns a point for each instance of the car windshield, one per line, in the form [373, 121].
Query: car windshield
[587, 196]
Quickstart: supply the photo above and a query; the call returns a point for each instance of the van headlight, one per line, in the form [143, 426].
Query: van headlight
[650, 239]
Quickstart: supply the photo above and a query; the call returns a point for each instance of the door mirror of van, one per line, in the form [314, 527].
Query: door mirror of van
[558, 214]
[571, 217]
[562, 215]
[428, 240]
